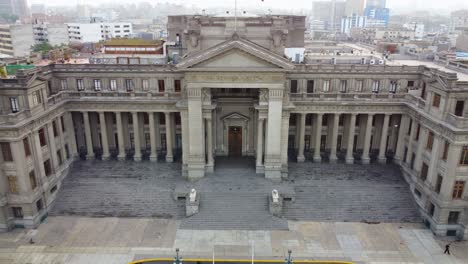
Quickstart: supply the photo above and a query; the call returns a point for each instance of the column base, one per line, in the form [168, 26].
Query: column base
[90, 157]
[259, 169]
[105, 157]
[153, 157]
[300, 158]
[209, 168]
[333, 159]
[169, 158]
[382, 160]
[137, 158]
[349, 161]
[121, 157]
[318, 159]
[365, 160]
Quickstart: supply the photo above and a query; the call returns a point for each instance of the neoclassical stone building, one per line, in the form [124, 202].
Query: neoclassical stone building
[236, 97]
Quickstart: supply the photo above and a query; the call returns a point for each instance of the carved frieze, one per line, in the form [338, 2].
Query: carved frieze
[235, 77]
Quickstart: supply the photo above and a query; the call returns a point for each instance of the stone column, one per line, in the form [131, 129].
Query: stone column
[399, 152]
[284, 144]
[185, 140]
[259, 161]
[22, 175]
[104, 141]
[61, 139]
[300, 155]
[350, 141]
[209, 145]
[169, 155]
[136, 137]
[38, 157]
[434, 162]
[70, 129]
[318, 136]
[334, 139]
[414, 126]
[120, 137]
[52, 147]
[196, 162]
[383, 140]
[152, 131]
[273, 151]
[89, 141]
[367, 140]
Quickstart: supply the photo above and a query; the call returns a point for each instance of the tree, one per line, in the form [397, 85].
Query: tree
[43, 48]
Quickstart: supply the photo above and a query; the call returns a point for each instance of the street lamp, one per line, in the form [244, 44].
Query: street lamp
[288, 260]
[177, 259]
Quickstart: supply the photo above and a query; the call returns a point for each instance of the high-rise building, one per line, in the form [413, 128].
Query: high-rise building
[15, 7]
[330, 12]
[376, 3]
[354, 7]
[16, 40]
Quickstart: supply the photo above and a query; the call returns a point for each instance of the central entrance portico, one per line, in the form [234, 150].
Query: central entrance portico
[233, 125]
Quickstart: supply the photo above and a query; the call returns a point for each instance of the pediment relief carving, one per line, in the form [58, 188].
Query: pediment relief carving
[235, 116]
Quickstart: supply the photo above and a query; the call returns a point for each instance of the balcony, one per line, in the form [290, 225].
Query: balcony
[383, 97]
[457, 121]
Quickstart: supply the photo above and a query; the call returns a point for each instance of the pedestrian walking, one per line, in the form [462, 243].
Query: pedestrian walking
[447, 249]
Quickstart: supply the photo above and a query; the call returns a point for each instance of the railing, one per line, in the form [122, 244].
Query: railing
[346, 96]
[457, 121]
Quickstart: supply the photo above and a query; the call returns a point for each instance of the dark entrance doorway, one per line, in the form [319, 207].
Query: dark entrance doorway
[235, 141]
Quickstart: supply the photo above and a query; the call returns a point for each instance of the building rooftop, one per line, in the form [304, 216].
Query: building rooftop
[131, 42]
[461, 76]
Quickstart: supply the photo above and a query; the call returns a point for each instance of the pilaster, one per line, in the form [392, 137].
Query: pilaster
[169, 147]
[334, 138]
[273, 151]
[350, 141]
[136, 137]
[318, 137]
[120, 137]
[89, 141]
[105, 143]
[152, 128]
[300, 155]
[383, 140]
[367, 138]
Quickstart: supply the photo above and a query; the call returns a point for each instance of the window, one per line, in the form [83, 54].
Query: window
[54, 128]
[63, 123]
[343, 86]
[458, 188]
[359, 85]
[413, 158]
[27, 148]
[393, 87]
[459, 108]
[436, 100]
[464, 156]
[161, 87]
[431, 209]
[293, 86]
[375, 86]
[14, 104]
[145, 85]
[410, 83]
[42, 138]
[417, 192]
[177, 86]
[63, 84]
[39, 205]
[129, 85]
[80, 84]
[326, 85]
[113, 85]
[53, 189]
[67, 152]
[97, 85]
[6, 151]
[418, 131]
[32, 180]
[430, 140]
[310, 86]
[36, 97]
[423, 91]
[453, 217]
[47, 168]
[409, 127]
[12, 184]
[17, 212]
[424, 170]
[438, 184]
[446, 148]
[59, 157]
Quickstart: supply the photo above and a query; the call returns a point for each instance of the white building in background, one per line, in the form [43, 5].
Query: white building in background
[347, 23]
[16, 40]
[95, 32]
[418, 29]
[54, 34]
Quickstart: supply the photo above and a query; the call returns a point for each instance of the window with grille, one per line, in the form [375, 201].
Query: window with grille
[14, 105]
[436, 100]
[145, 85]
[326, 85]
[375, 86]
[161, 87]
[393, 87]
[310, 86]
[63, 84]
[36, 98]
[80, 84]
[12, 184]
[410, 83]
[113, 85]
[129, 85]
[424, 170]
[17, 212]
[6, 151]
[453, 217]
[464, 156]
[458, 189]
[430, 140]
[359, 86]
[97, 85]
[293, 88]
[343, 86]
[32, 180]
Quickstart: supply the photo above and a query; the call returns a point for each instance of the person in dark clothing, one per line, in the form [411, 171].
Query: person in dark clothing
[447, 249]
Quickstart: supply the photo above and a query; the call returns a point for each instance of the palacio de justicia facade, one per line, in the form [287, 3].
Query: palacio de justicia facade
[233, 93]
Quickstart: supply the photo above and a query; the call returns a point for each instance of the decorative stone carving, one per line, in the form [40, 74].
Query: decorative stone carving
[192, 204]
[275, 203]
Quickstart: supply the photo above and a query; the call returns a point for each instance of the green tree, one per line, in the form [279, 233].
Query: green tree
[43, 48]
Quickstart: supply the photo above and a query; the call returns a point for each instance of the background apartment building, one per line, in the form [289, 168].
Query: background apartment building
[16, 40]
[95, 32]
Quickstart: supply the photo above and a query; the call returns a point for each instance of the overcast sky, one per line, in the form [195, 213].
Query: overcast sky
[400, 5]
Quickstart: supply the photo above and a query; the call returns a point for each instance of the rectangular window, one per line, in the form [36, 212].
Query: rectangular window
[310, 86]
[145, 85]
[436, 100]
[54, 128]
[459, 108]
[47, 168]
[375, 86]
[97, 85]
[177, 87]
[17, 212]
[14, 104]
[42, 137]
[343, 86]
[409, 127]
[6, 151]
[418, 131]
[326, 85]
[430, 140]
[12, 184]
[32, 180]
[438, 184]
[113, 85]
[424, 170]
[458, 189]
[410, 83]
[293, 89]
[80, 85]
[63, 84]
[423, 91]
[446, 148]
[393, 87]
[413, 158]
[39, 205]
[59, 157]
[67, 151]
[36, 97]
[359, 86]
[27, 148]
[161, 87]
[453, 217]
[129, 85]
[464, 156]
[431, 209]
[63, 123]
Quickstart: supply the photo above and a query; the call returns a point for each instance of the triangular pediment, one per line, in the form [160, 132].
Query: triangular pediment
[235, 54]
[235, 115]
